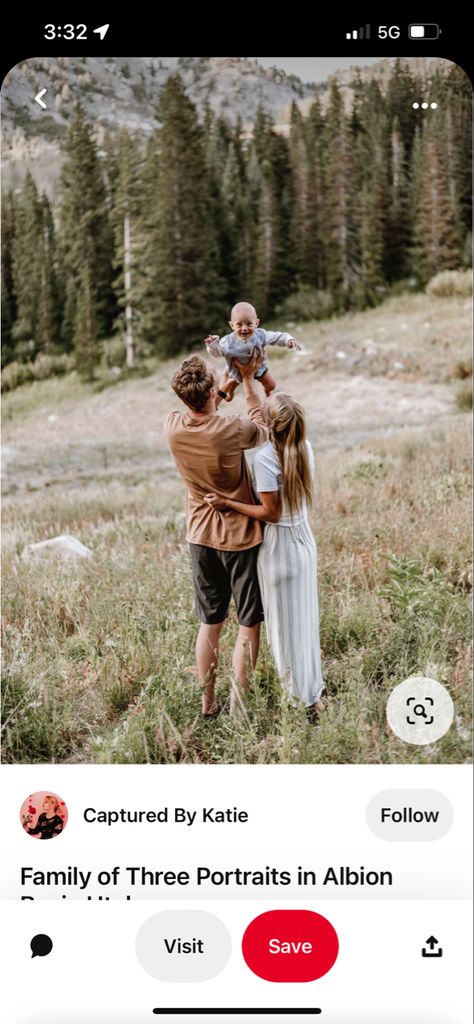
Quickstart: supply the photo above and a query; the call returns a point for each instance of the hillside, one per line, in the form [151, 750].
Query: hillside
[123, 92]
[379, 372]
[99, 656]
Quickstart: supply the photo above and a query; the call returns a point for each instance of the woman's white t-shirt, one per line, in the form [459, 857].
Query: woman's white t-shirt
[267, 473]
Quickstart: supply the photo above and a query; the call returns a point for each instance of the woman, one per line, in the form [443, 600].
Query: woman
[287, 564]
[49, 823]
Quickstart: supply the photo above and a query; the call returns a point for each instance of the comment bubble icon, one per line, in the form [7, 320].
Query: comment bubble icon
[41, 945]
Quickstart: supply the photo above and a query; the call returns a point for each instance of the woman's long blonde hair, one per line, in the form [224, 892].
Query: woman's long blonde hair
[287, 425]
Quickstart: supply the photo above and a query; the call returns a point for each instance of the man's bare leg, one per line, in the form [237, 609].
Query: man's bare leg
[207, 657]
[244, 657]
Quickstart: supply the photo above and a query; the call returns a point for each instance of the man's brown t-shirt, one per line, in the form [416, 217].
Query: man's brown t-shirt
[209, 454]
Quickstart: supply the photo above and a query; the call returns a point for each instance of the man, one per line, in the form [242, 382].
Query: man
[208, 449]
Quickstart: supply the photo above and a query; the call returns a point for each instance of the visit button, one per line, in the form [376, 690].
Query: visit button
[290, 945]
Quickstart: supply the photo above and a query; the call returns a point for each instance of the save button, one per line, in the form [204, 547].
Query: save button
[290, 945]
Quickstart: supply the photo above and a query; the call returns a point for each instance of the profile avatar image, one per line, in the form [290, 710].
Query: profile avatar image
[43, 815]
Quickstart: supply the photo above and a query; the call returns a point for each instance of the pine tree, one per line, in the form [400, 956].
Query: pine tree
[283, 276]
[300, 196]
[403, 90]
[315, 239]
[269, 188]
[8, 290]
[265, 247]
[184, 285]
[86, 240]
[253, 177]
[69, 312]
[414, 199]
[272, 268]
[48, 311]
[144, 279]
[241, 198]
[373, 221]
[398, 212]
[125, 218]
[341, 244]
[437, 244]
[217, 144]
[239, 226]
[27, 248]
[262, 128]
[86, 326]
[457, 107]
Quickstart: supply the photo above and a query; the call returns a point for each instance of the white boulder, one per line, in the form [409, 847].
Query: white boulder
[66, 546]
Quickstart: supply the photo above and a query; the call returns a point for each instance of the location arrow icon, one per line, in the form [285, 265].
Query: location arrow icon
[102, 30]
[39, 100]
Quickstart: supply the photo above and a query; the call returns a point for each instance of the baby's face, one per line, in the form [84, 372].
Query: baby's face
[244, 325]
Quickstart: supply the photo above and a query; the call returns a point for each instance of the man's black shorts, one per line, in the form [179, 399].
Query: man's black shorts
[218, 575]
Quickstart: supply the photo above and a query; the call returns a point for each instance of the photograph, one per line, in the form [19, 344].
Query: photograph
[43, 815]
[237, 413]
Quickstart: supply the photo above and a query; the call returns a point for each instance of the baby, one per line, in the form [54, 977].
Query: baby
[246, 336]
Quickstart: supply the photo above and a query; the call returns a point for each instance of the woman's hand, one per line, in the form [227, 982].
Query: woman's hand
[216, 501]
[293, 343]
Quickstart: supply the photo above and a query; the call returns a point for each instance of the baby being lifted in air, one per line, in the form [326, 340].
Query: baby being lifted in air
[247, 336]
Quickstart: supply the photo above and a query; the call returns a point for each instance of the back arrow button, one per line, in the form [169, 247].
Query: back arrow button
[39, 100]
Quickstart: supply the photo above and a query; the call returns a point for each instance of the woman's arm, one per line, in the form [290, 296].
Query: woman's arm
[34, 831]
[269, 511]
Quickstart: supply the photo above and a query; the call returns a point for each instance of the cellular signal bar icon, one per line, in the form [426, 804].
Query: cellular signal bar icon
[359, 33]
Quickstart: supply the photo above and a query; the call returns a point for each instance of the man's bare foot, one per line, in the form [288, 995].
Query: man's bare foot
[208, 703]
[314, 711]
[213, 711]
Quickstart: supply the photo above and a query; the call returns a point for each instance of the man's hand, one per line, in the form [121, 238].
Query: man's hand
[248, 370]
[215, 501]
[293, 343]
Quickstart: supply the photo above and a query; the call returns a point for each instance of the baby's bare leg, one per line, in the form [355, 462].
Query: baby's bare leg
[229, 387]
[268, 383]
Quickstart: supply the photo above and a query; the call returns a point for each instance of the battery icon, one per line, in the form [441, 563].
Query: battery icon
[429, 31]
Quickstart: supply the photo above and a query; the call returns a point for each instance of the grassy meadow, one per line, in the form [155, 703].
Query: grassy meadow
[99, 654]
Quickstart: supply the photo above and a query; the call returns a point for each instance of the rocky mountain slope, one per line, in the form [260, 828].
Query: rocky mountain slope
[123, 92]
